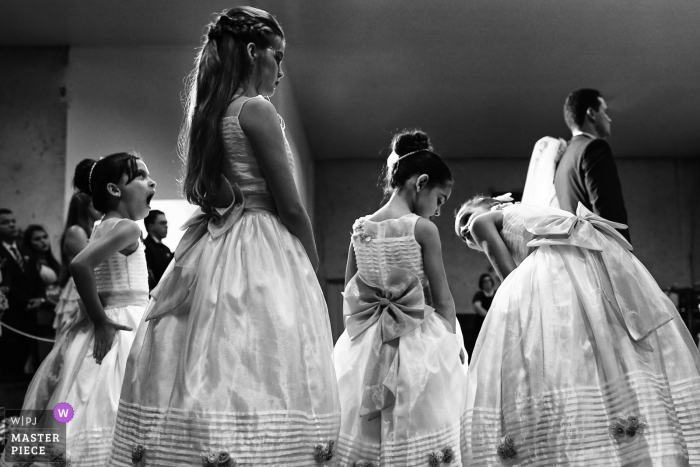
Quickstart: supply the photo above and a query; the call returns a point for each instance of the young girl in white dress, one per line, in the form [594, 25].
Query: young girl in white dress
[86, 366]
[234, 361]
[582, 360]
[400, 365]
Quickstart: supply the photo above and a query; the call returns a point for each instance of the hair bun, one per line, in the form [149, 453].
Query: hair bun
[81, 179]
[409, 141]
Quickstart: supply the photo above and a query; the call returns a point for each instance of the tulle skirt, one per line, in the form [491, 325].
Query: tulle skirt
[556, 379]
[70, 374]
[243, 367]
[425, 418]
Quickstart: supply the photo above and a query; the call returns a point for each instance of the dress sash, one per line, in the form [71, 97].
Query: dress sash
[624, 284]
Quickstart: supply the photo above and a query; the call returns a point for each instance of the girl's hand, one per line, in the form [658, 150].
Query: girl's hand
[104, 336]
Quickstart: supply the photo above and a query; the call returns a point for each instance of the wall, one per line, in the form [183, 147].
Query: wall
[33, 136]
[661, 196]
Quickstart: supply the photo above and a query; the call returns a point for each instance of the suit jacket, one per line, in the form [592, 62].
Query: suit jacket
[587, 173]
[158, 258]
[23, 285]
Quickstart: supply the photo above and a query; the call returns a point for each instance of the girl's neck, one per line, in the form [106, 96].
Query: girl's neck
[398, 206]
[117, 213]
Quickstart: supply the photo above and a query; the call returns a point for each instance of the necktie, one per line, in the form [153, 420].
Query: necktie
[18, 257]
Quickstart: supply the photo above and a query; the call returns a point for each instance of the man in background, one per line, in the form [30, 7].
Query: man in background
[587, 172]
[158, 256]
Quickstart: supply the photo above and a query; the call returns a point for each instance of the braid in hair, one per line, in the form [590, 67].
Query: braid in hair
[221, 70]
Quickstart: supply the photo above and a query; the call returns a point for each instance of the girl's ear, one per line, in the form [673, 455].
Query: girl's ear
[251, 49]
[422, 182]
[114, 190]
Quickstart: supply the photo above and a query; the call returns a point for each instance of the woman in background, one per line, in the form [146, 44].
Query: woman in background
[82, 216]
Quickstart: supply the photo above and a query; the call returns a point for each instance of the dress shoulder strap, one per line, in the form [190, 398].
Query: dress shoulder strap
[238, 103]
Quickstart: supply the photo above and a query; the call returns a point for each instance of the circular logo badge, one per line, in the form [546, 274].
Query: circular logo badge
[63, 412]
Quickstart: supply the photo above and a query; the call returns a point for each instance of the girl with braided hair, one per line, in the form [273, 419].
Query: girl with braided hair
[233, 363]
[582, 360]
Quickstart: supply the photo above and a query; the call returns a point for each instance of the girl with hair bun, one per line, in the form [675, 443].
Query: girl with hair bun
[401, 362]
[234, 360]
[86, 365]
[582, 359]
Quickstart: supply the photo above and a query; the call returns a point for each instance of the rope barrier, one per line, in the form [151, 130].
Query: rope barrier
[43, 339]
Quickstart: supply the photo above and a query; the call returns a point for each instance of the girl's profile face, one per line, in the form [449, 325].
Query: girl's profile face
[40, 241]
[429, 200]
[93, 213]
[137, 194]
[269, 63]
[467, 221]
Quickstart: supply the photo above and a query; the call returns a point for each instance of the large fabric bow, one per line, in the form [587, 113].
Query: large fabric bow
[173, 290]
[397, 309]
[626, 285]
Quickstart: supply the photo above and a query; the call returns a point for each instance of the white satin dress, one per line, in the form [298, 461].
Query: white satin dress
[582, 359]
[234, 362]
[401, 381]
[70, 374]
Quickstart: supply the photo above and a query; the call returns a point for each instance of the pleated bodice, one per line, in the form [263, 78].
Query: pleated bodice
[241, 167]
[382, 245]
[121, 280]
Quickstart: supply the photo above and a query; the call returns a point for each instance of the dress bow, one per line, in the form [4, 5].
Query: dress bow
[173, 290]
[398, 308]
[561, 229]
[625, 283]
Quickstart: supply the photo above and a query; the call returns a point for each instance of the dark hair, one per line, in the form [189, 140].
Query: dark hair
[483, 277]
[221, 68]
[50, 259]
[578, 103]
[78, 214]
[5, 211]
[91, 177]
[465, 211]
[151, 217]
[421, 160]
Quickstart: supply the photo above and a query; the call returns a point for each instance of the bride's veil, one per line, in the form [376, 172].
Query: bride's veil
[539, 185]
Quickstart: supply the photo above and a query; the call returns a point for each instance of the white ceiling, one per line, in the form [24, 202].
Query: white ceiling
[486, 78]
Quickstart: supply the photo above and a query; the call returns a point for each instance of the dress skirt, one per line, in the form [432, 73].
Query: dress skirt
[235, 358]
[583, 361]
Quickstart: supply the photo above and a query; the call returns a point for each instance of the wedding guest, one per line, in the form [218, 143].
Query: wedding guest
[44, 270]
[158, 255]
[23, 301]
[80, 221]
[587, 172]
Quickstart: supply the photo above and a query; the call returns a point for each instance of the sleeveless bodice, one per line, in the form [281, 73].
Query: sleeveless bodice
[514, 232]
[241, 166]
[390, 243]
[121, 280]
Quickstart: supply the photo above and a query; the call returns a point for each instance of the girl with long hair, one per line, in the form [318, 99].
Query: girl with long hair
[233, 364]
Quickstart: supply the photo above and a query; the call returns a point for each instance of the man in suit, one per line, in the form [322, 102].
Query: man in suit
[158, 256]
[587, 170]
[23, 297]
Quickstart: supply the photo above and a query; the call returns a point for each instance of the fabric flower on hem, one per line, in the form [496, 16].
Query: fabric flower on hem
[448, 455]
[363, 464]
[506, 450]
[137, 454]
[324, 451]
[627, 427]
[435, 458]
[225, 460]
[59, 459]
[210, 460]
